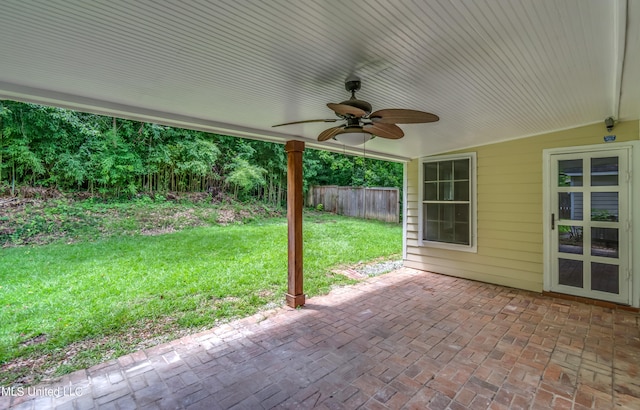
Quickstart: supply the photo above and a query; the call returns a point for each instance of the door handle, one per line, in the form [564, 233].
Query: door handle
[553, 221]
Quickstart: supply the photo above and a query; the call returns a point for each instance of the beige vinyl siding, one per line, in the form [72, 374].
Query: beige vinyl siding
[510, 225]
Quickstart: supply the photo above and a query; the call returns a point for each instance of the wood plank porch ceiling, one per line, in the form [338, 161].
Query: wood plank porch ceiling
[492, 70]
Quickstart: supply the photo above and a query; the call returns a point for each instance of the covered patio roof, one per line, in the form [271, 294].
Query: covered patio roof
[492, 70]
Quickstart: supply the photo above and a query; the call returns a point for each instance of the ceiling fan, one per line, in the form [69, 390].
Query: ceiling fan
[358, 118]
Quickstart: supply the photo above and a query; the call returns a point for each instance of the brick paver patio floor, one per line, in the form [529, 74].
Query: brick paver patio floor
[407, 339]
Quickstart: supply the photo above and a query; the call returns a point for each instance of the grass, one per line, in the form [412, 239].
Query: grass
[68, 306]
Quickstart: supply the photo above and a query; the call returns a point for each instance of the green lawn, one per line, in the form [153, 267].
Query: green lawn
[123, 289]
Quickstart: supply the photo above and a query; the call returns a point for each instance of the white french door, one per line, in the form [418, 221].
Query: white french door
[589, 224]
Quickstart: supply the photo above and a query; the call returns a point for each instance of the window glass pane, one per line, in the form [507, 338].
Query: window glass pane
[446, 233]
[570, 239]
[461, 169]
[447, 222]
[570, 172]
[446, 191]
[604, 242]
[461, 191]
[604, 206]
[604, 171]
[570, 205]
[433, 212]
[462, 233]
[430, 191]
[605, 277]
[446, 170]
[431, 171]
[447, 213]
[431, 233]
[570, 272]
[462, 213]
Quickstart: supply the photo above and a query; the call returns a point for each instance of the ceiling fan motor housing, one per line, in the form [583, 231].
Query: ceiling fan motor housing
[354, 102]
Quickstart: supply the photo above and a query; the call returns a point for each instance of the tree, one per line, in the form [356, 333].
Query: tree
[69, 150]
[244, 177]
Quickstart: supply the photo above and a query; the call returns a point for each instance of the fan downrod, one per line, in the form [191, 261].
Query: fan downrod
[352, 84]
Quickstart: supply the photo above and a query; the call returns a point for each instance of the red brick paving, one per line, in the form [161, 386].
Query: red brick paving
[407, 339]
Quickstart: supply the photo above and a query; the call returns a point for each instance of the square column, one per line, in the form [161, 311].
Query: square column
[295, 296]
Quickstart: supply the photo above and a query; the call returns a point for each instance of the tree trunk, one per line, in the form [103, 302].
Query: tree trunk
[13, 178]
[1, 138]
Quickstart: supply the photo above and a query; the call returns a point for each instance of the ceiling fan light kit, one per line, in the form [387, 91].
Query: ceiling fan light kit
[353, 137]
[361, 124]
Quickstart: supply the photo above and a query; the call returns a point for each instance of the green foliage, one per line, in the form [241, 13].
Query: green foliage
[245, 177]
[72, 151]
[564, 180]
[329, 168]
[602, 215]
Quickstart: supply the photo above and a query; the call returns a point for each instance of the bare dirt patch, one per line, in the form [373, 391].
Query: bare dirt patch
[41, 338]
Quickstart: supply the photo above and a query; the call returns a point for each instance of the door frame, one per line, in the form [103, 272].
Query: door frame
[633, 148]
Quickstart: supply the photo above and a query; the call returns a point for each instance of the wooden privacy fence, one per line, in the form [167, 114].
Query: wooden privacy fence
[369, 203]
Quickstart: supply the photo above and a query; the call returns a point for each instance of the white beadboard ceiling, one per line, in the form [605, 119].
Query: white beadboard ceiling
[492, 70]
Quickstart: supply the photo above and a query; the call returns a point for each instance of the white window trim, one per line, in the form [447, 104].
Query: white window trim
[473, 247]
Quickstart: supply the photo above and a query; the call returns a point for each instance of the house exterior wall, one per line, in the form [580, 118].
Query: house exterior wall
[509, 209]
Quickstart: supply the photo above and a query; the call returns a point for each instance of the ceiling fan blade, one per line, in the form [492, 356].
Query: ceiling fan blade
[400, 116]
[382, 130]
[330, 133]
[305, 121]
[344, 110]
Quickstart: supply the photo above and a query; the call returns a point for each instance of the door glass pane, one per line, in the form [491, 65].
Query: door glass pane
[605, 277]
[570, 205]
[570, 272]
[604, 171]
[431, 171]
[604, 206]
[604, 242]
[570, 172]
[570, 239]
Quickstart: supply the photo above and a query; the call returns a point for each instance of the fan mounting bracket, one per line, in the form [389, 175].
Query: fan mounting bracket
[352, 84]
